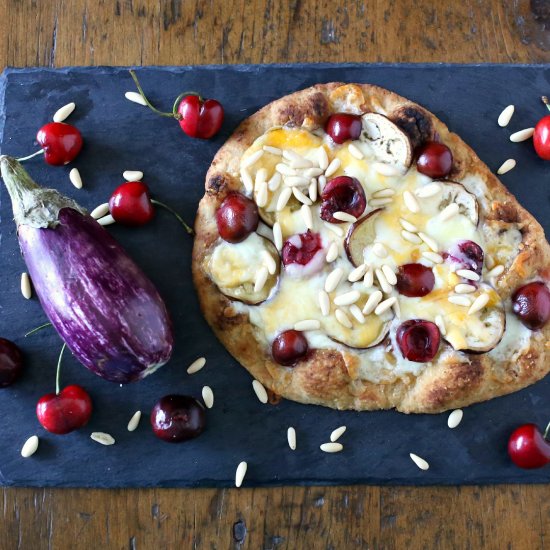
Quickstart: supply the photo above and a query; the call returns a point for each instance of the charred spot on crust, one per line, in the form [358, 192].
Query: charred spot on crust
[415, 123]
[505, 212]
[463, 377]
[217, 183]
[315, 107]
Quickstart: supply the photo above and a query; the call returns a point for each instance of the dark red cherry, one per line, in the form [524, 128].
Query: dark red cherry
[65, 411]
[178, 418]
[531, 303]
[343, 127]
[468, 254]
[528, 447]
[130, 204]
[418, 340]
[342, 194]
[289, 347]
[415, 280]
[200, 118]
[300, 249]
[61, 142]
[11, 362]
[236, 218]
[434, 160]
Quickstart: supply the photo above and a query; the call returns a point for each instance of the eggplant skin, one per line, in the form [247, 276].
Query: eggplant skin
[103, 306]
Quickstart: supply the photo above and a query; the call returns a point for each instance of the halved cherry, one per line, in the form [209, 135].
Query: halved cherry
[415, 280]
[342, 194]
[434, 160]
[343, 126]
[236, 218]
[531, 303]
[468, 254]
[289, 347]
[418, 340]
[302, 254]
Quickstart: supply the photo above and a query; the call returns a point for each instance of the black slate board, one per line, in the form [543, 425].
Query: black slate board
[120, 135]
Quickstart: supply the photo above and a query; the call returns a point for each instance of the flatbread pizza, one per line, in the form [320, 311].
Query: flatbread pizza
[352, 252]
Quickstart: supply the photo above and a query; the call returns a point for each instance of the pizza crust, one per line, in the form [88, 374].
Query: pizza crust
[330, 377]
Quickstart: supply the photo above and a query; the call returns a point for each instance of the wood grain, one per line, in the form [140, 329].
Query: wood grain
[131, 32]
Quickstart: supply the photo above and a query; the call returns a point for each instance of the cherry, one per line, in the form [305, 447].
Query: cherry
[531, 303]
[418, 340]
[300, 249]
[176, 418]
[61, 142]
[236, 218]
[130, 204]
[65, 411]
[201, 118]
[342, 194]
[198, 117]
[289, 347]
[541, 136]
[415, 280]
[434, 160]
[11, 362]
[343, 126]
[468, 254]
[528, 448]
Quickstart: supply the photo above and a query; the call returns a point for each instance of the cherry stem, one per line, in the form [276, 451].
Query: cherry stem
[544, 99]
[37, 329]
[175, 113]
[547, 431]
[39, 152]
[58, 372]
[142, 94]
[173, 212]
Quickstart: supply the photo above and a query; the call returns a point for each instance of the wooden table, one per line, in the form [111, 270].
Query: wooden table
[127, 32]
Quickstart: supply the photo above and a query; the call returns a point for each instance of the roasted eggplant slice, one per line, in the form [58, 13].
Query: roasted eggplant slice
[234, 268]
[360, 234]
[390, 144]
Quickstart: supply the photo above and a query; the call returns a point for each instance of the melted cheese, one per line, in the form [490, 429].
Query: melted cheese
[296, 297]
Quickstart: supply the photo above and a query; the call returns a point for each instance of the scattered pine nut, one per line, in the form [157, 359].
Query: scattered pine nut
[134, 421]
[30, 447]
[331, 447]
[291, 437]
[100, 211]
[337, 433]
[135, 97]
[506, 166]
[106, 220]
[103, 438]
[208, 396]
[76, 179]
[64, 112]
[420, 462]
[260, 391]
[26, 287]
[240, 473]
[455, 418]
[506, 115]
[522, 135]
[196, 365]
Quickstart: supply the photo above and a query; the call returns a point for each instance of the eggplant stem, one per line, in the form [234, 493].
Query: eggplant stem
[544, 99]
[547, 431]
[37, 329]
[58, 371]
[39, 152]
[174, 213]
[142, 94]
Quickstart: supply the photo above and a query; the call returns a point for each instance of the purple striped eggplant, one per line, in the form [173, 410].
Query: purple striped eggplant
[103, 306]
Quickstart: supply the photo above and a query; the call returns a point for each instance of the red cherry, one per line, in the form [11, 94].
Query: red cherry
[468, 254]
[176, 418]
[531, 303]
[130, 204]
[528, 448]
[236, 218]
[11, 362]
[434, 160]
[342, 194]
[289, 347]
[66, 411]
[415, 280]
[343, 126]
[418, 340]
[541, 138]
[300, 249]
[200, 118]
[61, 142]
